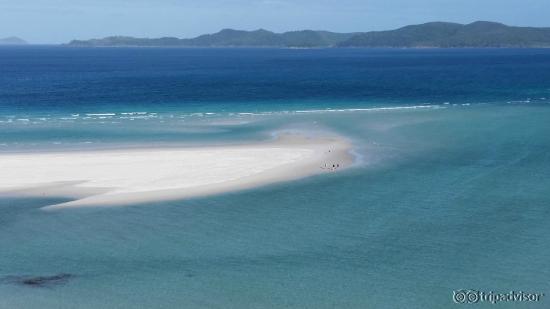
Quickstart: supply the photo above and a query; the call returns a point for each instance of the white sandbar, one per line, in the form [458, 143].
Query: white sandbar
[130, 176]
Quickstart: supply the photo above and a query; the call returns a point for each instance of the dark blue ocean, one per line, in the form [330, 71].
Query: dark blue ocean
[451, 189]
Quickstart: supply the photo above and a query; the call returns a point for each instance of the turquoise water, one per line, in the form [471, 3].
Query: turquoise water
[446, 197]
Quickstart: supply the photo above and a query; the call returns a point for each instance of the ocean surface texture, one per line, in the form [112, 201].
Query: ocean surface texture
[451, 189]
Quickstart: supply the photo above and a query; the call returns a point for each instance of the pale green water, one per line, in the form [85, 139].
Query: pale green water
[447, 199]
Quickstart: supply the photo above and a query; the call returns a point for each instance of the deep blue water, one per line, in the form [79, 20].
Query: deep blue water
[51, 79]
[451, 196]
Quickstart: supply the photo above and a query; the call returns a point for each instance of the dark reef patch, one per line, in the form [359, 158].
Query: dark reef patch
[39, 281]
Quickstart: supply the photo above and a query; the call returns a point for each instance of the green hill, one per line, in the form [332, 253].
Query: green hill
[229, 38]
[237, 38]
[441, 34]
[434, 34]
[310, 38]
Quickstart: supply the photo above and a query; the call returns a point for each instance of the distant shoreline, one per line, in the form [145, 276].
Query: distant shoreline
[66, 46]
[479, 34]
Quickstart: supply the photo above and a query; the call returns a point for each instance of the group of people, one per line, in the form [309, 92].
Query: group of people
[328, 165]
[331, 167]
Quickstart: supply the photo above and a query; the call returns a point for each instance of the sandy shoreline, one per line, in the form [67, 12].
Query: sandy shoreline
[133, 176]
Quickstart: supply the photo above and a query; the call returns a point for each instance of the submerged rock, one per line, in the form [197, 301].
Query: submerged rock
[40, 281]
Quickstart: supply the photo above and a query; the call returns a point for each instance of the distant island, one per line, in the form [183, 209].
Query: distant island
[231, 38]
[12, 41]
[433, 34]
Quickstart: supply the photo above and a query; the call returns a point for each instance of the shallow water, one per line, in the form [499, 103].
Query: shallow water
[448, 197]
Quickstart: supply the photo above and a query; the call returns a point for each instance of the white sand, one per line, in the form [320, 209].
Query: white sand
[122, 177]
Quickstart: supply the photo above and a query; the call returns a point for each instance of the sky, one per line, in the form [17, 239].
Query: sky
[59, 21]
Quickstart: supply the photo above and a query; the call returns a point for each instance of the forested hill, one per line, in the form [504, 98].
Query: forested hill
[433, 34]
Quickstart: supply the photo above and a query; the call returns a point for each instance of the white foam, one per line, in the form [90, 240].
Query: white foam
[135, 113]
[368, 109]
[101, 114]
